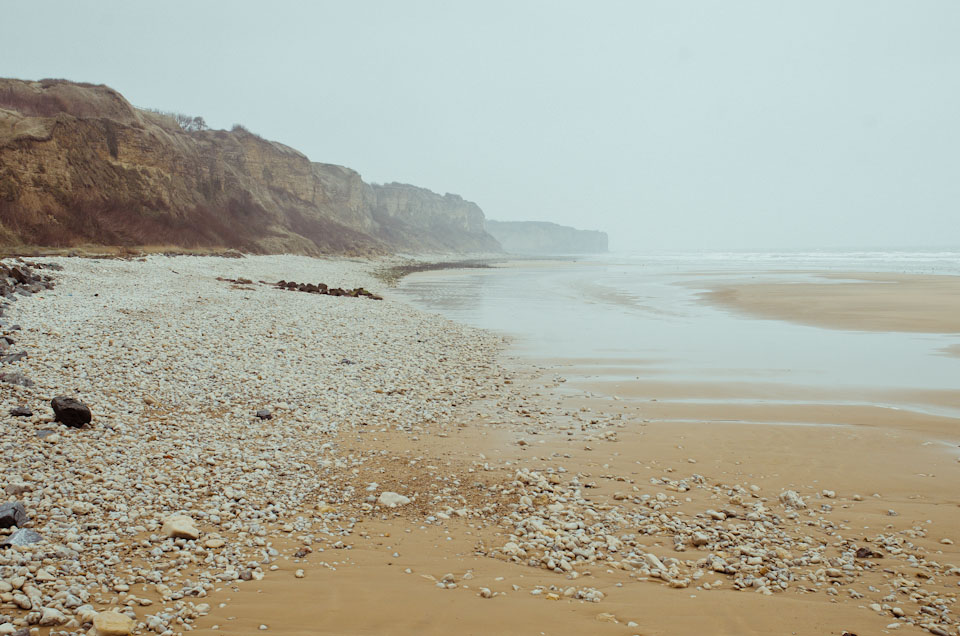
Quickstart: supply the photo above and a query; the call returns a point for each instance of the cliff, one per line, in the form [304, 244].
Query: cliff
[80, 166]
[532, 237]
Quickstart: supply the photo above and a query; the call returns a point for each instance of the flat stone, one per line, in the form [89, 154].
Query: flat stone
[392, 499]
[21, 411]
[180, 527]
[24, 536]
[112, 624]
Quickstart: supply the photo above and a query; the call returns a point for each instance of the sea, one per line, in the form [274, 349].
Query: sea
[643, 317]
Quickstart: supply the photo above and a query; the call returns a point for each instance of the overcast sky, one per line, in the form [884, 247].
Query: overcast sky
[668, 124]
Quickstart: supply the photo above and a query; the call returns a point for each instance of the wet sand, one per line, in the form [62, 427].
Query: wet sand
[887, 471]
[855, 301]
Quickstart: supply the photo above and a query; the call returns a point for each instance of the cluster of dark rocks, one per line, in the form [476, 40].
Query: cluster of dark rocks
[321, 288]
[18, 278]
[24, 278]
[14, 515]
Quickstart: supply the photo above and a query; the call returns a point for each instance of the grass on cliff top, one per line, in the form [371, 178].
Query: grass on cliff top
[111, 251]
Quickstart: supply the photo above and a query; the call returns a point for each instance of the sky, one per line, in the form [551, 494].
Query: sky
[668, 124]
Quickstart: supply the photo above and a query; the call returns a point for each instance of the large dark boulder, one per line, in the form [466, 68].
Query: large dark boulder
[13, 514]
[70, 411]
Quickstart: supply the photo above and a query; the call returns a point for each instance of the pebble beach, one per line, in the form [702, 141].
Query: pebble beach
[263, 459]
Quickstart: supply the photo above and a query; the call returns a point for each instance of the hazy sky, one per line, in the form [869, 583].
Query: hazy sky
[668, 124]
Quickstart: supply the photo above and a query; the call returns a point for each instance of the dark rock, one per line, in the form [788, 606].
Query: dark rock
[13, 357]
[867, 553]
[70, 411]
[24, 536]
[21, 411]
[264, 414]
[347, 361]
[15, 377]
[13, 514]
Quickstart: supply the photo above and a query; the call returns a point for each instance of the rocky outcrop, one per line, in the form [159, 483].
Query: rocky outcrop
[533, 237]
[80, 165]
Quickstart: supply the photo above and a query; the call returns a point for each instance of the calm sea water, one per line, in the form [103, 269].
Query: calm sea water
[640, 316]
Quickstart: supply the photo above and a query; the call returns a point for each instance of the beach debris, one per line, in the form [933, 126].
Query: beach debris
[70, 411]
[326, 290]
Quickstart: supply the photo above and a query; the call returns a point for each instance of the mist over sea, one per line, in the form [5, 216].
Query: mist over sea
[643, 317]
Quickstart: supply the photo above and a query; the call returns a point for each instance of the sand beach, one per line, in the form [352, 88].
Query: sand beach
[411, 474]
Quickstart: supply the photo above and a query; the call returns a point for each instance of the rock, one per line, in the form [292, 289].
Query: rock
[13, 514]
[790, 499]
[392, 499]
[16, 377]
[699, 539]
[52, 617]
[112, 624]
[24, 536]
[21, 411]
[654, 562]
[264, 414]
[215, 543]
[485, 593]
[180, 527]
[70, 411]
[867, 553]
[13, 357]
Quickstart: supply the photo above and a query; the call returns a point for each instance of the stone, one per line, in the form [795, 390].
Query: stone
[15, 377]
[24, 536]
[180, 527]
[13, 357]
[790, 499]
[13, 514]
[70, 411]
[52, 617]
[654, 562]
[392, 499]
[112, 624]
[21, 411]
[264, 414]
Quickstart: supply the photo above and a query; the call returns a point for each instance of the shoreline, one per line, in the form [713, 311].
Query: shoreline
[497, 458]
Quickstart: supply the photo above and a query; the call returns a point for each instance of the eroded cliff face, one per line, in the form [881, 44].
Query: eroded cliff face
[534, 237]
[79, 165]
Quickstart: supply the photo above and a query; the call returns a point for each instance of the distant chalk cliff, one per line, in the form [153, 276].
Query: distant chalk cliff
[535, 237]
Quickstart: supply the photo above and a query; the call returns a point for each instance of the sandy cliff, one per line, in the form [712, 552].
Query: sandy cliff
[532, 237]
[80, 165]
